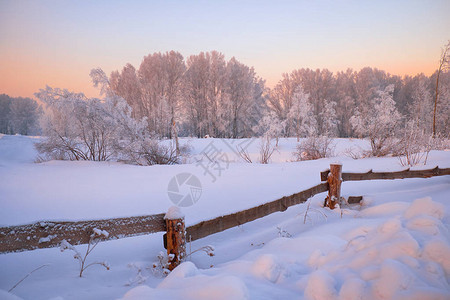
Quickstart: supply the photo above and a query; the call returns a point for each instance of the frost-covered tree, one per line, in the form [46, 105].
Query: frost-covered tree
[5, 111]
[443, 108]
[281, 99]
[127, 85]
[81, 128]
[25, 114]
[222, 99]
[329, 119]
[380, 124]
[196, 92]
[320, 85]
[270, 126]
[301, 114]
[77, 127]
[160, 80]
[444, 65]
[216, 95]
[19, 115]
[243, 90]
[207, 95]
[345, 97]
[420, 110]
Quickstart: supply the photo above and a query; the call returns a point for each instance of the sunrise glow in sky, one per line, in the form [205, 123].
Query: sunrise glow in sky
[58, 42]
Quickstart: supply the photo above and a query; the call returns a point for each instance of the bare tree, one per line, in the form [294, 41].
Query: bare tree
[444, 64]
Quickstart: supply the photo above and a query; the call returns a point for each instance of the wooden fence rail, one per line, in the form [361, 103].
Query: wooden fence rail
[48, 234]
[222, 223]
[370, 175]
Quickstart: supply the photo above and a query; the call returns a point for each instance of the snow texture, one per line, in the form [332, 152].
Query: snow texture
[394, 245]
[174, 213]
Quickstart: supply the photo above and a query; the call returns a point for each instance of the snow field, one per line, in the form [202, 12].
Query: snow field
[396, 245]
[401, 256]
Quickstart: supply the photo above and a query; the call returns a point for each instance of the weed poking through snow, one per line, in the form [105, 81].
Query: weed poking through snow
[96, 236]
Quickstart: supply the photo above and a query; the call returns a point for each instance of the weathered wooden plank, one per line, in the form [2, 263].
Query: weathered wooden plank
[222, 223]
[395, 175]
[47, 234]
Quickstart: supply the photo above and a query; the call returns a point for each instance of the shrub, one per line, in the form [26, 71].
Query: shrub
[266, 150]
[314, 148]
[415, 145]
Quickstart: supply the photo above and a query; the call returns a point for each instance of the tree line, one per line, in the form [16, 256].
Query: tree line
[19, 115]
[207, 95]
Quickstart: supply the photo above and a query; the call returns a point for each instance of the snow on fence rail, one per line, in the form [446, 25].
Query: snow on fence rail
[48, 234]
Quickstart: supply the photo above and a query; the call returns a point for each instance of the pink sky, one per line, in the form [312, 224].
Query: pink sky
[57, 43]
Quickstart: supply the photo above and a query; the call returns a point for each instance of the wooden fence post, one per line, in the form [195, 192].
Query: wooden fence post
[176, 237]
[334, 185]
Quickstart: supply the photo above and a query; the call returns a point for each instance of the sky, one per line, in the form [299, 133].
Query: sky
[58, 42]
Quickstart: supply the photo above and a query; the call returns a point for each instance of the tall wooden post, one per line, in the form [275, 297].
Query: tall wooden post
[334, 185]
[176, 237]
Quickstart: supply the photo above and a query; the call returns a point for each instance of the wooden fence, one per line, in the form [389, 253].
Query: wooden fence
[407, 173]
[48, 234]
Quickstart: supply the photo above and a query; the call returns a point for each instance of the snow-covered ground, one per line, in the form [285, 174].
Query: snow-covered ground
[395, 245]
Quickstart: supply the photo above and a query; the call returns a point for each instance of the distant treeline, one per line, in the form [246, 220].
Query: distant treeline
[19, 115]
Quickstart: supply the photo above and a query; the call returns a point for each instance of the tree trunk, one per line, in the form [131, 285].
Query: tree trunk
[443, 64]
[435, 100]
[175, 135]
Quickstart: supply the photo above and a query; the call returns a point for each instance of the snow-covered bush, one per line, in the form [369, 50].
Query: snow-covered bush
[416, 144]
[314, 148]
[149, 152]
[379, 124]
[160, 268]
[81, 128]
[96, 236]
